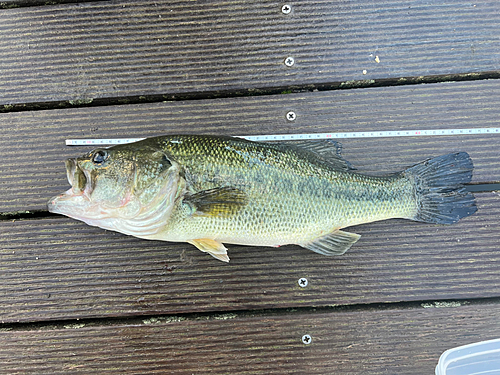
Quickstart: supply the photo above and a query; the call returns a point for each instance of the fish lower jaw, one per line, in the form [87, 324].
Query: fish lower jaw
[69, 203]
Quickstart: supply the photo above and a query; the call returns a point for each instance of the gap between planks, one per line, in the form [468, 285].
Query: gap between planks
[396, 341]
[253, 92]
[242, 314]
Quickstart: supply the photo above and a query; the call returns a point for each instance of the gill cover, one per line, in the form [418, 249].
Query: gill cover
[120, 189]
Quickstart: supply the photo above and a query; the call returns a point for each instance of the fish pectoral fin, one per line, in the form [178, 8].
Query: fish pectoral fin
[335, 243]
[222, 201]
[213, 247]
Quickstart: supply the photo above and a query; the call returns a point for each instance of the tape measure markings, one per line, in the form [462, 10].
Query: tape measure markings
[291, 137]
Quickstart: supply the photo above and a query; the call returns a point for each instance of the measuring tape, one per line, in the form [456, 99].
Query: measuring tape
[292, 137]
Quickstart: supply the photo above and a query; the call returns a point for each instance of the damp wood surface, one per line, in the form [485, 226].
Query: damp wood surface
[342, 342]
[58, 267]
[79, 53]
[33, 143]
[79, 299]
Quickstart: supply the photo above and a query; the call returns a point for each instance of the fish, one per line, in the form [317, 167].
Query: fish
[214, 190]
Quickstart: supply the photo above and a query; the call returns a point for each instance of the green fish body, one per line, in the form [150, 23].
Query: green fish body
[209, 190]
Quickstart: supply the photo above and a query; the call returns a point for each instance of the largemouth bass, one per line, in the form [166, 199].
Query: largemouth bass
[209, 190]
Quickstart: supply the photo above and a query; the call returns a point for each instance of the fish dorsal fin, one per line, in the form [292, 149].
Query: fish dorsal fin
[221, 202]
[212, 247]
[335, 243]
[325, 149]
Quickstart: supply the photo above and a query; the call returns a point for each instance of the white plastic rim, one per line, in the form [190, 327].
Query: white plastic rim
[465, 354]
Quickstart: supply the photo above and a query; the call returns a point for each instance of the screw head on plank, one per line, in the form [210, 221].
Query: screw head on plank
[289, 61]
[303, 282]
[286, 9]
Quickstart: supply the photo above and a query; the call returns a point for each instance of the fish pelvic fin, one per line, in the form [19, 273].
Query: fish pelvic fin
[212, 247]
[219, 202]
[439, 186]
[335, 243]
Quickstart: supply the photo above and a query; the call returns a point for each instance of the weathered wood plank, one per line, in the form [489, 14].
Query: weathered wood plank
[89, 51]
[9, 4]
[29, 3]
[59, 268]
[33, 149]
[400, 341]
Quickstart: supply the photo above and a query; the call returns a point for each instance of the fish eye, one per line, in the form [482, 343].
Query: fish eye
[99, 157]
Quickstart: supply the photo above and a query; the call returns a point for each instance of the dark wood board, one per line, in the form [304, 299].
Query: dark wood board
[58, 268]
[33, 148]
[399, 341]
[83, 52]
[9, 4]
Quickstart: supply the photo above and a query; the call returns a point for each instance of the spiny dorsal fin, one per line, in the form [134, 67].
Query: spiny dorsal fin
[213, 247]
[326, 149]
[222, 201]
[335, 243]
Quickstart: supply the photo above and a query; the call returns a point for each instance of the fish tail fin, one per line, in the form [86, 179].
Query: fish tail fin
[441, 194]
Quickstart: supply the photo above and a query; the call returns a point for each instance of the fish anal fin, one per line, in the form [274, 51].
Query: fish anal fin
[223, 201]
[212, 247]
[335, 243]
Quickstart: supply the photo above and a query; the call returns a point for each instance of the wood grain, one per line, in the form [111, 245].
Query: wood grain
[33, 148]
[212, 317]
[58, 268]
[399, 341]
[9, 4]
[83, 52]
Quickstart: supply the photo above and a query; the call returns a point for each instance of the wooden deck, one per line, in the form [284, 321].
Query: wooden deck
[78, 299]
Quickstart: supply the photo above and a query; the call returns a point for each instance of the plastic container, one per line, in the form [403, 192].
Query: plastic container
[480, 358]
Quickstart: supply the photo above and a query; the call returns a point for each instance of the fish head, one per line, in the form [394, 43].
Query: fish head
[115, 187]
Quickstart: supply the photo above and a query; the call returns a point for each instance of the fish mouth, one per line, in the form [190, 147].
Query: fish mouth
[79, 179]
[76, 200]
